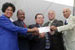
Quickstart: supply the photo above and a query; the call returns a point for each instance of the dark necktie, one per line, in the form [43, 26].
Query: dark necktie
[65, 22]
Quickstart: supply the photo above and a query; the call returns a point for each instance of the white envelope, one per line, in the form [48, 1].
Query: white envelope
[44, 29]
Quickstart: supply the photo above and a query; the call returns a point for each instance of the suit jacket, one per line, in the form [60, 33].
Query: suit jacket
[36, 42]
[56, 39]
[22, 40]
[69, 33]
[8, 34]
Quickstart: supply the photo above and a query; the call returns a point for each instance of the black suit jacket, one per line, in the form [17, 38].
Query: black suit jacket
[22, 40]
[36, 42]
[56, 39]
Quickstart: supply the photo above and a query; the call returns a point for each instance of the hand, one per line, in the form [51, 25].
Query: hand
[35, 33]
[42, 35]
[52, 32]
[53, 28]
[35, 29]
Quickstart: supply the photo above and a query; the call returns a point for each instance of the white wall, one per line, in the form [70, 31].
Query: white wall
[31, 7]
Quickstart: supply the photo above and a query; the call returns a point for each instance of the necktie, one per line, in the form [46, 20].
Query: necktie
[47, 42]
[25, 25]
[47, 38]
[66, 22]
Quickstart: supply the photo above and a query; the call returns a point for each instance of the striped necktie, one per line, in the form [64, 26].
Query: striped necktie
[47, 42]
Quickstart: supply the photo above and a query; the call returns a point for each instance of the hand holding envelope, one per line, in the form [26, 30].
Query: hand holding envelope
[44, 29]
[53, 28]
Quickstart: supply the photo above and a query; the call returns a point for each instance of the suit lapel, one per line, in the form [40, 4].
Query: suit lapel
[37, 25]
[47, 23]
[54, 23]
[19, 22]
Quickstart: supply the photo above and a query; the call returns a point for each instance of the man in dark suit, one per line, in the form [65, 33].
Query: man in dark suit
[22, 40]
[56, 39]
[37, 42]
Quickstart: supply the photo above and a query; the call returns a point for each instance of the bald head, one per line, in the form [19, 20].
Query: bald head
[66, 12]
[51, 14]
[20, 15]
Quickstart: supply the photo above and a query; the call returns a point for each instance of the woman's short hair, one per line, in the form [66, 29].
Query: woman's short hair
[38, 14]
[6, 5]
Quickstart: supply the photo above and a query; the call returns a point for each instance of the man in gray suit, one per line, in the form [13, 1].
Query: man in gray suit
[56, 40]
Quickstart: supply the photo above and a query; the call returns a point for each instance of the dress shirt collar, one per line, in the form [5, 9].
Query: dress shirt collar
[51, 21]
[68, 18]
[39, 25]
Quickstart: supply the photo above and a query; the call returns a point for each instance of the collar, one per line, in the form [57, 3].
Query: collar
[39, 25]
[50, 21]
[5, 17]
[68, 17]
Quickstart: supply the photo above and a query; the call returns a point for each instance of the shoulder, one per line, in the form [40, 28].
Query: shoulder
[15, 21]
[72, 17]
[46, 24]
[32, 25]
[59, 22]
[4, 19]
